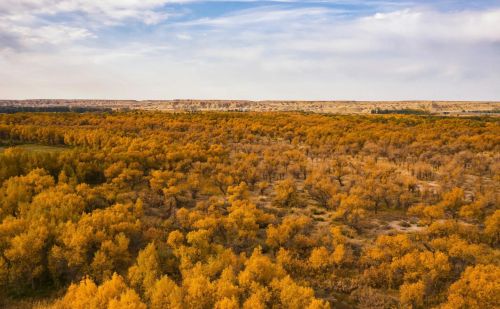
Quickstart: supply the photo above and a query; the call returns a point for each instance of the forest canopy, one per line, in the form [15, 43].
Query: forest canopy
[249, 210]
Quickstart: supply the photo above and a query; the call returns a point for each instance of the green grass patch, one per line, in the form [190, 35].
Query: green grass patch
[36, 148]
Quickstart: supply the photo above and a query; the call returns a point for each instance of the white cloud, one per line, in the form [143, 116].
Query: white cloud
[467, 26]
[183, 36]
[112, 9]
[272, 52]
[49, 34]
[24, 23]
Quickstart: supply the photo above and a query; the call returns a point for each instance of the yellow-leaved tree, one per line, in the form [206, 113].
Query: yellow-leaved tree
[477, 288]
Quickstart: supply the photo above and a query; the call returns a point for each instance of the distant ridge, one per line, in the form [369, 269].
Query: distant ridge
[334, 107]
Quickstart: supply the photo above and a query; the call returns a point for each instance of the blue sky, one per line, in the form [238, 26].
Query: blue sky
[311, 50]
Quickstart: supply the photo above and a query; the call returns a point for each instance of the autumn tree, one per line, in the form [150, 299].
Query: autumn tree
[478, 287]
[286, 193]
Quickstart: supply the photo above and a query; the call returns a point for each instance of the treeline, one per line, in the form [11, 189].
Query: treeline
[249, 210]
[405, 111]
[50, 109]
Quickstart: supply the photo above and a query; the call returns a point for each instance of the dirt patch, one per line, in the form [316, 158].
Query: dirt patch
[403, 226]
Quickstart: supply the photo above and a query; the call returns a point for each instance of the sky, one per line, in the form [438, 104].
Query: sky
[256, 50]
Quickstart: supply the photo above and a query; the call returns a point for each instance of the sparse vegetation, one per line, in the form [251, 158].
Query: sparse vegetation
[404, 111]
[336, 107]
